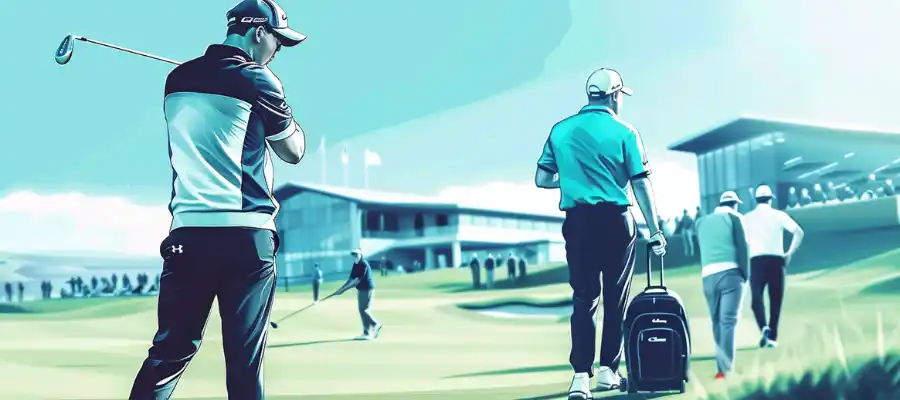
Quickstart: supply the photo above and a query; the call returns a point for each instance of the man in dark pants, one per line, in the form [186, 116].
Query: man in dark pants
[592, 157]
[511, 267]
[475, 266]
[361, 278]
[318, 278]
[222, 109]
[765, 228]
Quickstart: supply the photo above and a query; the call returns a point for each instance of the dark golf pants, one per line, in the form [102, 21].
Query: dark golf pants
[767, 272]
[364, 301]
[600, 252]
[316, 286]
[234, 265]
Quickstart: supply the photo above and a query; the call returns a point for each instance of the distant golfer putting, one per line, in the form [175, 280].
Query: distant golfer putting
[361, 278]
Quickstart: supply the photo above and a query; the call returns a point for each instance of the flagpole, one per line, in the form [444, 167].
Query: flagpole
[366, 175]
[345, 160]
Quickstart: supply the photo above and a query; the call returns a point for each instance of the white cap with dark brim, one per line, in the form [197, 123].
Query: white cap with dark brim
[763, 191]
[730, 197]
[604, 82]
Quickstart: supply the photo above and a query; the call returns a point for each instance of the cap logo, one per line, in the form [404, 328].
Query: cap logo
[284, 17]
[253, 20]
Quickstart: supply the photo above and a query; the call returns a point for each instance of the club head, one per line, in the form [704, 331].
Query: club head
[65, 50]
[274, 325]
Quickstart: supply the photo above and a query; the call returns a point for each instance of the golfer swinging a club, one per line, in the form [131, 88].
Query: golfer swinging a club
[222, 109]
[361, 278]
[591, 157]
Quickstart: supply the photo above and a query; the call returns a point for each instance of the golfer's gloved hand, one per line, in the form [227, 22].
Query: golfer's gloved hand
[658, 241]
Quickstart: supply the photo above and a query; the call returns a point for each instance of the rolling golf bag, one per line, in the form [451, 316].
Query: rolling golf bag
[657, 339]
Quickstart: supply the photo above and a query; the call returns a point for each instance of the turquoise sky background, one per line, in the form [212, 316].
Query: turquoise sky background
[449, 93]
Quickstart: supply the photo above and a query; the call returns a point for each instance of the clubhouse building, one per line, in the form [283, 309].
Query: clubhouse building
[749, 151]
[320, 224]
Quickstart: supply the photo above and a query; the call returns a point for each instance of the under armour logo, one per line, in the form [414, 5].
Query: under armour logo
[176, 249]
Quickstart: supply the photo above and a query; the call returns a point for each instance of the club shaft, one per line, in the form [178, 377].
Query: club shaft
[127, 50]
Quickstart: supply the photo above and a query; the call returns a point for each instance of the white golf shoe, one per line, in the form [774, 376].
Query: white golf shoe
[607, 379]
[581, 387]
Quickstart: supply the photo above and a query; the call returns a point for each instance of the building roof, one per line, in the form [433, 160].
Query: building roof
[402, 200]
[744, 128]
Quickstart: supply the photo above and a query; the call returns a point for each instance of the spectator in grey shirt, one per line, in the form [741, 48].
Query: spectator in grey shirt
[726, 268]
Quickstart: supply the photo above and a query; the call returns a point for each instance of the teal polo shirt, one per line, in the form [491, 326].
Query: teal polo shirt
[596, 155]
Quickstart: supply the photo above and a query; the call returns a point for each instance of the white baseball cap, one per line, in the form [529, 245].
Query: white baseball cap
[356, 251]
[604, 82]
[730, 196]
[763, 191]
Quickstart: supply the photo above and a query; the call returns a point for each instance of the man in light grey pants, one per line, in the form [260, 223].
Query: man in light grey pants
[725, 261]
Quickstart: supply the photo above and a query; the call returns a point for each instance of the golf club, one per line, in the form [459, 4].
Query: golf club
[274, 324]
[67, 47]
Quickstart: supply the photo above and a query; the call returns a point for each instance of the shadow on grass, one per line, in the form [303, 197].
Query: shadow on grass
[560, 367]
[310, 343]
[619, 395]
[487, 305]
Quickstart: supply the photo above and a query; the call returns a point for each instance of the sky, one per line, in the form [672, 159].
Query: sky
[456, 97]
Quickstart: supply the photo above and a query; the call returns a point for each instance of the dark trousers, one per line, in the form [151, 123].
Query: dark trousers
[767, 272]
[600, 253]
[235, 265]
[316, 286]
[364, 301]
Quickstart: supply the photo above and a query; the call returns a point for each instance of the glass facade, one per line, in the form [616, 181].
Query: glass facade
[315, 228]
[739, 167]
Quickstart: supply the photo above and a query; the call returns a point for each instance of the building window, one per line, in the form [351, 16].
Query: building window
[731, 168]
[442, 220]
[495, 222]
[743, 164]
[391, 222]
[373, 221]
[465, 219]
[525, 224]
[701, 173]
[479, 220]
[719, 170]
[510, 223]
[419, 222]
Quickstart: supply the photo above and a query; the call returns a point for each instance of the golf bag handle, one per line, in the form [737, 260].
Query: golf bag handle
[662, 283]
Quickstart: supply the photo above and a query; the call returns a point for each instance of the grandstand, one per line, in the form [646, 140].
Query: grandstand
[748, 151]
[320, 224]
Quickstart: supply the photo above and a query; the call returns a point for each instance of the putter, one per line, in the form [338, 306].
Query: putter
[274, 324]
[67, 48]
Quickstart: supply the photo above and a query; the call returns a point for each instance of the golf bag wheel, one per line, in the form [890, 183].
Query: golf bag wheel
[681, 388]
[623, 384]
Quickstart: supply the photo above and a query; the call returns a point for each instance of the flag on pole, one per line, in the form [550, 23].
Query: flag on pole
[323, 160]
[370, 158]
[345, 161]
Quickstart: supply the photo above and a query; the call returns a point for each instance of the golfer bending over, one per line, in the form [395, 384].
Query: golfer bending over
[726, 267]
[592, 157]
[361, 278]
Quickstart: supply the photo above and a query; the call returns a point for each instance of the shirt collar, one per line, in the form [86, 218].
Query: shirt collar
[763, 205]
[725, 210]
[224, 50]
[589, 108]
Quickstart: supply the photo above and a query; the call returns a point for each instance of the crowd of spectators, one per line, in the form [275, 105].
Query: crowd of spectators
[97, 286]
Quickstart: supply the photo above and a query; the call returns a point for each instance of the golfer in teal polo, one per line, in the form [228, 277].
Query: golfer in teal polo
[591, 157]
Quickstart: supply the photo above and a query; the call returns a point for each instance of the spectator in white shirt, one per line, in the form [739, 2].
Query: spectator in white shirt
[765, 228]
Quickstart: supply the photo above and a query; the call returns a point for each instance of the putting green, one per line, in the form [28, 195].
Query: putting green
[90, 349]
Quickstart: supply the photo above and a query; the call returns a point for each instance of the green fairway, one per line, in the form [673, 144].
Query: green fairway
[430, 346]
